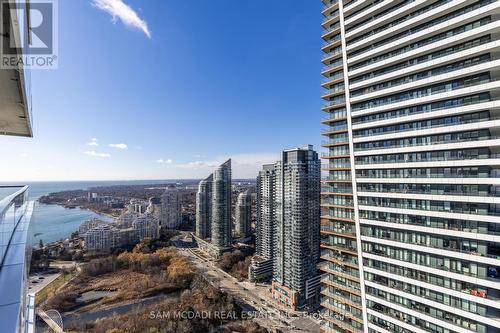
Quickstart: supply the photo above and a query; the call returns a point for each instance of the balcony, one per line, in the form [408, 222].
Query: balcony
[335, 91]
[328, 31]
[331, 17]
[341, 259]
[353, 289]
[336, 190]
[328, 231]
[327, 268]
[15, 250]
[335, 52]
[330, 42]
[339, 202]
[337, 295]
[334, 65]
[340, 248]
[336, 76]
[339, 179]
[335, 116]
[15, 95]
[335, 128]
[329, 5]
[338, 102]
[336, 165]
[334, 155]
[337, 218]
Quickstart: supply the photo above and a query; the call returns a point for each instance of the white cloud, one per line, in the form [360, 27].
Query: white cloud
[162, 161]
[93, 142]
[243, 165]
[118, 9]
[118, 145]
[96, 154]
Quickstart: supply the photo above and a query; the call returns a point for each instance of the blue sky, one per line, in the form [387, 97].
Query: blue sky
[214, 79]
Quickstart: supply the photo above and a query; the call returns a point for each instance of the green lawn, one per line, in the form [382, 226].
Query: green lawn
[52, 287]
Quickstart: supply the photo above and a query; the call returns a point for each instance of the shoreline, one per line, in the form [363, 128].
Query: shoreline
[79, 207]
[52, 227]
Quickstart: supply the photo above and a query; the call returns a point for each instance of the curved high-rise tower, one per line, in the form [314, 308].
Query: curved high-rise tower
[243, 214]
[221, 206]
[204, 208]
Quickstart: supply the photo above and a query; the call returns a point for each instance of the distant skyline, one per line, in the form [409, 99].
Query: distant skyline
[170, 89]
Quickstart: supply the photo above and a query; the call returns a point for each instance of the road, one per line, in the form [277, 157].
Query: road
[37, 282]
[251, 297]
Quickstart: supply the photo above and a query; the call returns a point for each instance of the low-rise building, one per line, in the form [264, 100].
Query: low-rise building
[127, 229]
[128, 236]
[102, 238]
[146, 226]
[90, 224]
[260, 269]
[138, 206]
[94, 197]
[125, 219]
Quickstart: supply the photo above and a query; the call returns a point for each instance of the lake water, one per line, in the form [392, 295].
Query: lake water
[54, 222]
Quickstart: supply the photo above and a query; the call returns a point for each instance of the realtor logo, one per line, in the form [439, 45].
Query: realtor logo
[29, 34]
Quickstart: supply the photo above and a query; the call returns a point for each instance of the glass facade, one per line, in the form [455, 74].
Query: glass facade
[410, 230]
[15, 255]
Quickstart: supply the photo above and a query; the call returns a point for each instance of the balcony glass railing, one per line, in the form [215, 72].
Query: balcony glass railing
[343, 231]
[335, 89]
[16, 307]
[335, 154]
[407, 159]
[331, 189]
[431, 191]
[335, 128]
[13, 206]
[354, 313]
[414, 173]
[331, 16]
[432, 222]
[335, 141]
[336, 75]
[431, 205]
[346, 283]
[331, 40]
[332, 28]
[336, 115]
[343, 273]
[479, 249]
[339, 165]
[333, 52]
[426, 143]
[437, 263]
[330, 255]
[336, 101]
[334, 64]
[329, 4]
[464, 287]
[339, 213]
[331, 292]
[338, 178]
[339, 201]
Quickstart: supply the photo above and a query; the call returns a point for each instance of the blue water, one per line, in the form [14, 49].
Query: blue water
[54, 222]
